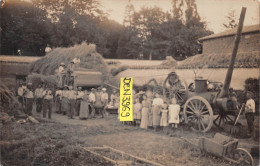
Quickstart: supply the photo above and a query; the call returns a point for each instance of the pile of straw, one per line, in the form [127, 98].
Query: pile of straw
[89, 58]
[8, 101]
[243, 60]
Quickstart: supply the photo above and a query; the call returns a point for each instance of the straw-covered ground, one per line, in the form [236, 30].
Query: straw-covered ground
[59, 142]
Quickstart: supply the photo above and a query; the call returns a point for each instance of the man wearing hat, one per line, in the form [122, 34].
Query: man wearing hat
[98, 103]
[70, 71]
[29, 97]
[249, 111]
[61, 72]
[104, 100]
[92, 100]
[47, 102]
[38, 95]
[58, 97]
[20, 93]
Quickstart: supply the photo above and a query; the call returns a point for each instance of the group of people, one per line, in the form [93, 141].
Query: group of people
[43, 97]
[65, 73]
[82, 103]
[151, 111]
[66, 100]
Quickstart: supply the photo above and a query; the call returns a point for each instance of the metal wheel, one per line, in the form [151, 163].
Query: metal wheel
[243, 157]
[224, 117]
[198, 113]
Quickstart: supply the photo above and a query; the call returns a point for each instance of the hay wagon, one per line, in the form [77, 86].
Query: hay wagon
[87, 78]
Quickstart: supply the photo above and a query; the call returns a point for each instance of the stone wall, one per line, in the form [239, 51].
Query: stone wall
[248, 43]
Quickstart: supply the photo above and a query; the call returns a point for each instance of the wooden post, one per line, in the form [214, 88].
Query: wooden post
[224, 91]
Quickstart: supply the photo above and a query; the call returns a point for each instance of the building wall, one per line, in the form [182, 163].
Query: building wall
[248, 43]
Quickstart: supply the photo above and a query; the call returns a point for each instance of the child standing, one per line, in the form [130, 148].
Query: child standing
[137, 111]
[164, 117]
[174, 111]
[156, 111]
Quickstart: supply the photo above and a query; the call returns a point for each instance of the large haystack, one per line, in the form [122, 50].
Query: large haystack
[88, 55]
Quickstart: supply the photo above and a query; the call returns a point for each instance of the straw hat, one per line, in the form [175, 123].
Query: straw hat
[104, 89]
[62, 64]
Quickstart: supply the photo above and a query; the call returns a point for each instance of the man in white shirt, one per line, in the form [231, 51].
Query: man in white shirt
[92, 100]
[20, 93]
[38, 95]
[29, 99]
[104, 100]
[47, 102]
[249, 111]
[80, 94]
[58, 97]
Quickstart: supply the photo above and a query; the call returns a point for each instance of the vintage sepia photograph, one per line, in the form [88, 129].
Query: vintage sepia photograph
[129, 82]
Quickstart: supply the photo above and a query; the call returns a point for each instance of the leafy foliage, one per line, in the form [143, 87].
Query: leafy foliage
[156, 34]
[150, 33]
[231, 20]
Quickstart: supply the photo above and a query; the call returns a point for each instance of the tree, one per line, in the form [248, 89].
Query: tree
[25, 28]
[189, 27]
[232, 20]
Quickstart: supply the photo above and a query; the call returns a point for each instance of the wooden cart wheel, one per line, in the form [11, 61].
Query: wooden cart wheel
[198, 113]
[243, 157]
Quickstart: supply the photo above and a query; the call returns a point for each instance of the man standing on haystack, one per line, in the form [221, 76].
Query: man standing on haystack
[39, 94]
[61, 74]
[70, 71]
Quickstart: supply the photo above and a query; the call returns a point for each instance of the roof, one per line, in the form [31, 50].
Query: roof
[18, 59]
[231, 32]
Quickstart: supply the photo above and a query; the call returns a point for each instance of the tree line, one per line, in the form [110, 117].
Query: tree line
[27, 28]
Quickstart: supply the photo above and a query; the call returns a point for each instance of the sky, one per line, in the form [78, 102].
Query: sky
[214, 12]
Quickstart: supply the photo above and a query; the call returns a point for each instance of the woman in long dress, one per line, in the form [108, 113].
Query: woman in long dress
[146, 105]
[84, 107]
[150, 96]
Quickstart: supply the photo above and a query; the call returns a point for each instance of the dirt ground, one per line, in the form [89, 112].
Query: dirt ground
[58, 142]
